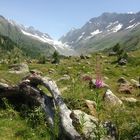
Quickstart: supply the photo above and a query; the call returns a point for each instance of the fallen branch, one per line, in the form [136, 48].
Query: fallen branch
[29, 87]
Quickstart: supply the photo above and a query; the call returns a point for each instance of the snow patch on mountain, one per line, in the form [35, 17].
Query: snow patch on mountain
[45, 39]
[12, 22]
[80, 37]
[93, 34]
[116, 28]
[112, 23]
[137, 24]
[131, 26]
[89, 22]
[132, 20]
[130, 12]
[35, 36]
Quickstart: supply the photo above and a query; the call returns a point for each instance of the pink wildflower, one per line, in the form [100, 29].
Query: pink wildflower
[98, 83]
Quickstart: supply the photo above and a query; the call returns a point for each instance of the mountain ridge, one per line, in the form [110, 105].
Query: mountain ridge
[30, 38]
[98, 33]
[101, 29]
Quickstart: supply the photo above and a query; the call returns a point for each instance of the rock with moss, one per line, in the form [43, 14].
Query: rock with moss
[86, 123]
[111, 99]
[129, 100]
[19, 68]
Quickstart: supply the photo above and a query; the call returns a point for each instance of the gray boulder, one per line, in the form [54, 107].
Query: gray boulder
[19, 68]
[129, 100]
[122, 61]
[88, 125]
[135, 83]
[65, 77]
[111, 99]
[122, 80]
[87, 122]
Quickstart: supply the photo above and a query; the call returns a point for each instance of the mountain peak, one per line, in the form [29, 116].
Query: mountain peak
[108, 14]
[98, 29]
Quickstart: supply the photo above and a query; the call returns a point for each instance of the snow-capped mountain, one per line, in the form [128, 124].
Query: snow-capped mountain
[108, 26]
[29, 36]
[45, 38]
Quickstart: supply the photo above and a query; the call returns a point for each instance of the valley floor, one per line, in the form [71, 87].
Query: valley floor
[18, 125]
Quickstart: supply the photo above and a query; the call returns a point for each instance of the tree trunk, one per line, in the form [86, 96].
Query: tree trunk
[29, 87]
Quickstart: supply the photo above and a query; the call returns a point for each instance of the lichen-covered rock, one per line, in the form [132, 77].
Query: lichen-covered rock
[135, 83]
[122, 61]
[92, 107]
[87, 122]
[112, 99]
[122, 80]
[88, 125]
[34, 71]
[65, 77]
[19, 68]
[129, 100]
[125, 88]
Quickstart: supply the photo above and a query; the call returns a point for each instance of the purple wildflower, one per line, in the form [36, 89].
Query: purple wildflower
[98, 83]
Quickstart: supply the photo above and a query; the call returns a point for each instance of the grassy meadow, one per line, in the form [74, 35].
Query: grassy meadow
[20, 123]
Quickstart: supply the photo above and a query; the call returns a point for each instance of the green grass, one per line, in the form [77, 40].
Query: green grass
[75, 93]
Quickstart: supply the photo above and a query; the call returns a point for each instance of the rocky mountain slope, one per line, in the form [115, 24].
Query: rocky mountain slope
[105, 31]
[97, 34]
[30, 40]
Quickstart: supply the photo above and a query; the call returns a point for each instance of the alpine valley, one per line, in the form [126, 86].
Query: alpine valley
[98, 33]
[31, 41]
[84, 86]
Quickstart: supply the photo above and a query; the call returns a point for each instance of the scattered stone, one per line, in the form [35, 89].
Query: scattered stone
[51, 71]
[122, 62]
[122, 80]
[69, 68]
[135, 83]
[88, 124]
[106, 78]
[111, 99]
[3, 81]
[125, 88]
[130, 100]
[137, 137]
[19, 68]
[3, 61]
[86, 121]
[111, 130]
[2, 85]
[82, 56]
[63, 89]
[36, 72]
[88, 56]
[106, 61]
[65, 77]
[88, 63]
[92, 106]
[112, 53]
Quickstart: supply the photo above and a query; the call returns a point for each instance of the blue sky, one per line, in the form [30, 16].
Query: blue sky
[56, 17]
